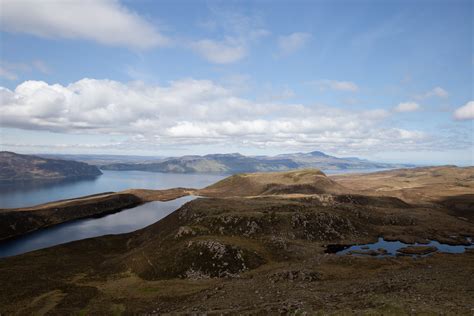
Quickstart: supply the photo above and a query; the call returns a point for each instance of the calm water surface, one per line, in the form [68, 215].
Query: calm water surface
[392, 247]
[122, 222]
[21, 194]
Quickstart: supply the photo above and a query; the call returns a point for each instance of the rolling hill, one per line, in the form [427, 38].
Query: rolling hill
[25, 167]
[237, 163]
[306, 181]
[247, 242]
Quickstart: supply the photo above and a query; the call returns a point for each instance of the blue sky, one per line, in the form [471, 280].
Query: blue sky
[389, 81]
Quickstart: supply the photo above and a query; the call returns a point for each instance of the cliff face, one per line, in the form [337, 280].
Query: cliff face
[25, 167]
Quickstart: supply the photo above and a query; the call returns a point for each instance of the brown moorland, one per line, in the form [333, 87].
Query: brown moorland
[424, 184]
[263, 251]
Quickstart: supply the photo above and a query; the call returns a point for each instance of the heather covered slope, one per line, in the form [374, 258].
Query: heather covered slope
[254, 249]
[226, 236]
[24, 167]
[306, 181]
[258, 255]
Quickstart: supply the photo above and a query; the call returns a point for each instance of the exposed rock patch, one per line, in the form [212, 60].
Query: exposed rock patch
[211, 258]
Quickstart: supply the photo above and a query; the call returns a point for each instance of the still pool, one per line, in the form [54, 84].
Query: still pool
[118, 223]
[391, 248]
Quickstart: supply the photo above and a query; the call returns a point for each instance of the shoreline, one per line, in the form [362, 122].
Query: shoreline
[17, 222]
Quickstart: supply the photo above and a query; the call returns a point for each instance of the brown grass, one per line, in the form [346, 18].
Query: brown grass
[307, 181]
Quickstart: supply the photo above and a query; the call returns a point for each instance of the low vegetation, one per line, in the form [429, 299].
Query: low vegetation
[257, 244]
[306, 181]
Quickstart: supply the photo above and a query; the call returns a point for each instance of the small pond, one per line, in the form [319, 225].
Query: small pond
[384, 248]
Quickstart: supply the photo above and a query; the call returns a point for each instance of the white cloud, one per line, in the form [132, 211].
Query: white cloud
[222, 52]
[104, 21]
[465, 112]
[291, 43]
[435, 92]
[439, 92]
[335, 85]
[194, 112]
[407, 107]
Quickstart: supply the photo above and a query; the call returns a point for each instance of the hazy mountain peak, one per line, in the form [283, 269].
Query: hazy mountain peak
[317, 153]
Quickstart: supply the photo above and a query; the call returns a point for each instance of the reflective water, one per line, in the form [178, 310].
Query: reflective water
[122, 222]
[393, 246]
[21, 194]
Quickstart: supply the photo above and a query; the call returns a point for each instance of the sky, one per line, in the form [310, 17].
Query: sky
[387, 80]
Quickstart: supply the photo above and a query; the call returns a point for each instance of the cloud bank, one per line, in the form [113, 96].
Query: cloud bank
[103, 21]
[196, 112]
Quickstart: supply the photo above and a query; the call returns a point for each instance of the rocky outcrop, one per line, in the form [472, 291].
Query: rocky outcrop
[264, 254]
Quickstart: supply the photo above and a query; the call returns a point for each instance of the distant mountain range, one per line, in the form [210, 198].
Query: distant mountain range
[25, 167]
[237, 163]
[99, 160]
[55, 166]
